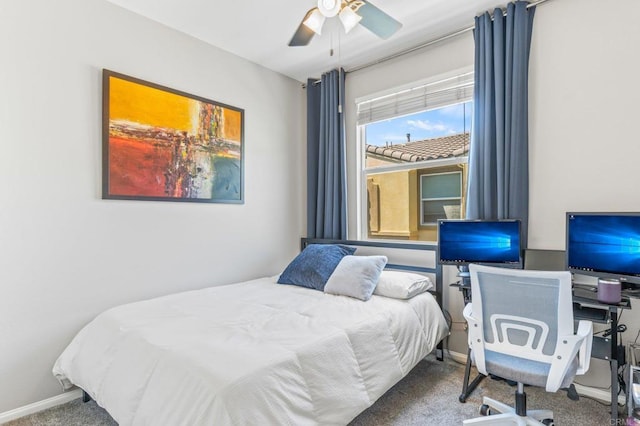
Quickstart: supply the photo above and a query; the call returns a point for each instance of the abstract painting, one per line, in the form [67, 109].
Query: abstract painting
[165, 145]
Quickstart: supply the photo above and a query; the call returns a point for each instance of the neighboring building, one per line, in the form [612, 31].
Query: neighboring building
[424, 150]
[406, 204]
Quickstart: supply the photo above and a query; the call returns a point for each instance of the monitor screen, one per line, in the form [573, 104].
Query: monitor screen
[461, 242]
[605, 245]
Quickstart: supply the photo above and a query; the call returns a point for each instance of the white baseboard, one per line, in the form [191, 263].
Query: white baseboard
[601, 394]
[457, 356]
[590, 392]
[10, 415]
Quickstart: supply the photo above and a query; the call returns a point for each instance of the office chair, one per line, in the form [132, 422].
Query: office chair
[521, 329]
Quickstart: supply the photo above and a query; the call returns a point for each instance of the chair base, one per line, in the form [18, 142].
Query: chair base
[508, 416]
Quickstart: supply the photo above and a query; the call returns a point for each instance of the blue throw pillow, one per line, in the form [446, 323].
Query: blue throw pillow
[314, 265]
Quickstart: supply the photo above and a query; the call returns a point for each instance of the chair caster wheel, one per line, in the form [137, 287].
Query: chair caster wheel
[548, 422]
[484, 410]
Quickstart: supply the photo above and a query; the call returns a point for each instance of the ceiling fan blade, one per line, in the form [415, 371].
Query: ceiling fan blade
[303, 34]
[374, 19]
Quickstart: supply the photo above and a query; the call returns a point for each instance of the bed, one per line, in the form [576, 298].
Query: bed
[256, 352]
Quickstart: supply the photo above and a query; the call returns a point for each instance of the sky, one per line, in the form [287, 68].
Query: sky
[445, 121]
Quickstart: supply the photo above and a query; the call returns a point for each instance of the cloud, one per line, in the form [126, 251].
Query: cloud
[428, 126]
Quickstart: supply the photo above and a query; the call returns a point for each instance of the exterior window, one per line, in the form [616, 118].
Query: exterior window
[414, 144]
[441, 197]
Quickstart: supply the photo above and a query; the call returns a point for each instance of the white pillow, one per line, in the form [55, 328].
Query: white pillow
[402, 285]
[356, 276]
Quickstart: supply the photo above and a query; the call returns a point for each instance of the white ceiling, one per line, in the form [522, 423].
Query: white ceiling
[260, 30]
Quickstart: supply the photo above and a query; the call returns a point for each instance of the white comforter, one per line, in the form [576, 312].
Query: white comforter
[254, 353]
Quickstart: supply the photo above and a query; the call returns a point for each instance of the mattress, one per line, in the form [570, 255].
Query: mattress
[255, 352]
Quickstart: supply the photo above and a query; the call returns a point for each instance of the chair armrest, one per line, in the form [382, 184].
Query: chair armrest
[585, 330]
[567, 349]
[476, 340]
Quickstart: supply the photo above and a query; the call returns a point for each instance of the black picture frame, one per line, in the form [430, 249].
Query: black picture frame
[162, 144]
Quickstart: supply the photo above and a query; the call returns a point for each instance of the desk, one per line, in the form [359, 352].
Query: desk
[585, 306]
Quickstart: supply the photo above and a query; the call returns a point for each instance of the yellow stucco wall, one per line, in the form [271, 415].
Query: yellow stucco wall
[394, 204]
[389, 194]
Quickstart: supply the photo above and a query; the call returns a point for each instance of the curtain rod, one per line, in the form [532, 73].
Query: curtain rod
[418, 47]
[426, 44]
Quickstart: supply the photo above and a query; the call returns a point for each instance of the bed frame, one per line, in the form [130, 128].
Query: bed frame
[436, 270]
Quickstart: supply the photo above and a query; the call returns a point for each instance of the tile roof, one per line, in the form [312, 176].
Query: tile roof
[427, 149]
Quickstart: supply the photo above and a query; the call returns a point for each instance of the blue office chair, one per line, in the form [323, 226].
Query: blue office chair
[521, 329]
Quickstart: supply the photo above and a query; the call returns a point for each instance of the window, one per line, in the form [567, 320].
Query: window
[414, 146]
[441, 197]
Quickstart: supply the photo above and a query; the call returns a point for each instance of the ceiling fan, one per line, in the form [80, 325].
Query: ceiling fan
[351, 13]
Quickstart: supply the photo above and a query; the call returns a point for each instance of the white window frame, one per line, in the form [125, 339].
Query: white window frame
[422, 200]
[361, 176]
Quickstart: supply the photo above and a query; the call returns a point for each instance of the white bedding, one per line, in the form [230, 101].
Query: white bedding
[256, 353]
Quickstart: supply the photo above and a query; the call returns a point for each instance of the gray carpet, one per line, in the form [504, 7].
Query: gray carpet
[427, 396]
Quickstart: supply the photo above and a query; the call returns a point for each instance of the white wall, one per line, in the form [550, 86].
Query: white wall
[583, 106]
[65, 254]
[584, 149]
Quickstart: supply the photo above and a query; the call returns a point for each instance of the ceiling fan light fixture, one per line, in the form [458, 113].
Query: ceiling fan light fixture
[315, 21]
[329, 8]
[349, 19]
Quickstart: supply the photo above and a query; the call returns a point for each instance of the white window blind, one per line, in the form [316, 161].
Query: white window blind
[421, 98]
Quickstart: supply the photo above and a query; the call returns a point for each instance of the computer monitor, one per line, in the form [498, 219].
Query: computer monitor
[605, 245]
[545, 260]
[489, 242]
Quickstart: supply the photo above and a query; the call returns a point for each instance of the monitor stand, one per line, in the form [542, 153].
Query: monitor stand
[465, 276]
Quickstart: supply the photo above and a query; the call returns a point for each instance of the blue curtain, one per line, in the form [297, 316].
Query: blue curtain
[326, 168]
[499, 155]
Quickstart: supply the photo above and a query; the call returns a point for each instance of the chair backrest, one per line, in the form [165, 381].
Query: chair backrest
[522, 312]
